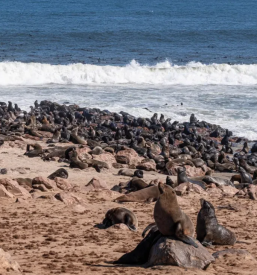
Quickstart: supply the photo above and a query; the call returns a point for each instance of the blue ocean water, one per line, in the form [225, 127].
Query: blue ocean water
[135, 54]
[115, 32]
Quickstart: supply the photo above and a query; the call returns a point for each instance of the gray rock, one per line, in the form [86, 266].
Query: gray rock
[168, 251]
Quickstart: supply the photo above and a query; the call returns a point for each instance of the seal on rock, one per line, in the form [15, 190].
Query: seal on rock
[170, 219]
[208, 230]
[121, 215]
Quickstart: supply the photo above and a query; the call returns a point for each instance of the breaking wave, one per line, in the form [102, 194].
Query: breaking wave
[165, 73]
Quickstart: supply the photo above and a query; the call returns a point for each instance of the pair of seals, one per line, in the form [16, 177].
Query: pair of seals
[208, 230]
[121, 215]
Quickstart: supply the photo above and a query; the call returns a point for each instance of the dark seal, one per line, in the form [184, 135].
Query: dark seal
[208, 230]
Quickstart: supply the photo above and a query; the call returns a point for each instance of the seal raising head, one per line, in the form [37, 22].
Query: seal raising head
[170, 219]
[208, 230]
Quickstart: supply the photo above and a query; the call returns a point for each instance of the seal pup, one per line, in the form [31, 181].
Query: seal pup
[139, 173]
[121, 215]
[208, 230]
[170, 219]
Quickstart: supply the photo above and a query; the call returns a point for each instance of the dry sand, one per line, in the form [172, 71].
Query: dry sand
[47, 237]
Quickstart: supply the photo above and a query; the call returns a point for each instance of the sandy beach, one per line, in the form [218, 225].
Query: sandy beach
[46, 236]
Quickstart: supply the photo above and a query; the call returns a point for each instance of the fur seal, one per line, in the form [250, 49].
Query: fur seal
[170, 219]
[126, 172]
[60, 173]
[182, 177]
[141, 253]
[245, 177]
[137, 184]
[247, 167]
[139, 173]
[121, 215]
[56, 136]
[75, 162]
[148, 194]
[75, 138]
[35, 152]
[208, 230]
[217, 181]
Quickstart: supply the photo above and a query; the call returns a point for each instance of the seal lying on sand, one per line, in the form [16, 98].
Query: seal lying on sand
[121, 215]
[208, 230]
[148, 194]
[218, 181]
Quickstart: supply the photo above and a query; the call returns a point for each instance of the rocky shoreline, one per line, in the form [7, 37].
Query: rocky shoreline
[100, 153]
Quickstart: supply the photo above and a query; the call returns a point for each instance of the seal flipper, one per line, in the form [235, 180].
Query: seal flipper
[149, 227]
[131, 227]
[207, 244]
[182, 237]
[129, 223]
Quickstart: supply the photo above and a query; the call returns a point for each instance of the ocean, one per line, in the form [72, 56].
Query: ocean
[170, 57]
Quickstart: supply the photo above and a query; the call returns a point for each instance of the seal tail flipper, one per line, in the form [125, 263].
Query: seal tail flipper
[184, 238]
[150, 226]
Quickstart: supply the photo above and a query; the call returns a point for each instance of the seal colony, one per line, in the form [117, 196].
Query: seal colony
[190, 155]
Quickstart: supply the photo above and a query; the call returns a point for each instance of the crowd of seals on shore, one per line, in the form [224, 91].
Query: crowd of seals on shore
[163, 146]
[167, 144]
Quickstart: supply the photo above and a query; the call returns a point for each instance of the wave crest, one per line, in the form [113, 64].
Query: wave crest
[165, 73]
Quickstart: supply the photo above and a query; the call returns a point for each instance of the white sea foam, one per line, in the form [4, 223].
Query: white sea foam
[165, 73]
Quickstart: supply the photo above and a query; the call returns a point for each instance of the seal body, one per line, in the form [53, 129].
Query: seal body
[121, 215]
[170, 219]
[141, 253]
[208, 230]
[148, 194]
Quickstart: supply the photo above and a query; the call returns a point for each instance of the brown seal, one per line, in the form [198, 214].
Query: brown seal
[121, 215]
[137, 184]
[56, 137]
[75, 138]
[35, 152]
[75, 162]
[208, 230]
[170, 219]
[148, 194]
